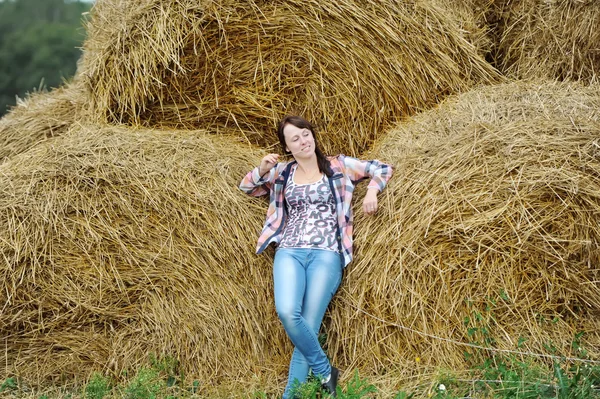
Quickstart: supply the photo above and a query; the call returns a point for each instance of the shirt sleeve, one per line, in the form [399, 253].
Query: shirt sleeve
[256, 185]
[359, 170]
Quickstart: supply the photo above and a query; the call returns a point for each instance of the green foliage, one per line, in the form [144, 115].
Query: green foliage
[98, 387]
[311, 389]
[258, 395]
[404, 395]
[195, 386]
[9, 384]
[358, 388]
[39, 42]
[578, 381]
[145, 385]
[498, 376]
[512, 378]
[168, 368]
[576, 345]
[508, 377]
[479, 324]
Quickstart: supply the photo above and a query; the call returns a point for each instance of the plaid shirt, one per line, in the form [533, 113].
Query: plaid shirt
[347, 172]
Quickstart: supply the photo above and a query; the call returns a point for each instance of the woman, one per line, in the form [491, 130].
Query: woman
[310, 221]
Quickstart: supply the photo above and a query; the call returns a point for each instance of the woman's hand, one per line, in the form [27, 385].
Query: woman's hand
[267, 163]
[370, 202]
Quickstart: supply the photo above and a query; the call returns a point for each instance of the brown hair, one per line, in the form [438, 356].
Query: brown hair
[300, 122]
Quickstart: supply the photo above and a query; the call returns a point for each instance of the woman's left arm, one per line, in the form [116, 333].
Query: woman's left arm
[377, 171]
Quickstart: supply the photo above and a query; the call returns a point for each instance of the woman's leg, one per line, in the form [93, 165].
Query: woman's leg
[289, 278]
[305, 282]
[298, 373]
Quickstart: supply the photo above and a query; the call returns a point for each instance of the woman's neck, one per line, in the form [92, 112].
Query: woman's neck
[308, 165]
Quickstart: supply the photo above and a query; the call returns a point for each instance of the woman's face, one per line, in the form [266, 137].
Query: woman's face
[299, 141]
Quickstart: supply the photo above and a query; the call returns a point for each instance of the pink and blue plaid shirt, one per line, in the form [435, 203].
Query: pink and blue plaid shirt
[347, 172]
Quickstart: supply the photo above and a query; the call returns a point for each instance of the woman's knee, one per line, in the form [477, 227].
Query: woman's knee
[288, 315]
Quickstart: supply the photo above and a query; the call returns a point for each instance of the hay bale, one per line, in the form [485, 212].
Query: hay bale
[351, 66]
[41, 115]
[119, 243]
[557, 39]
[491, 221]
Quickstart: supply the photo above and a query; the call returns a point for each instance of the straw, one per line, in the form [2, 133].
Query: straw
[487, 234]
[39, 116]
[118, 244]
[352, 66]
[550, 39]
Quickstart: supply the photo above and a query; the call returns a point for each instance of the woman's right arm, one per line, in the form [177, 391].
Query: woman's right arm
[258, 181]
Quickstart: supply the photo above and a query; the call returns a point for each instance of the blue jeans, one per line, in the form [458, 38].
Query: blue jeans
[305, 281]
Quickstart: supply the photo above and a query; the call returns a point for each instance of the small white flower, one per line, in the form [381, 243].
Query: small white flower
[442, 387]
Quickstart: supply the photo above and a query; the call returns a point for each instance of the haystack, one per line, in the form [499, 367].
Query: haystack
[119, 244]
[41, 115]
[351, 66]
[122, 243]
[488, 235]
[556, 39]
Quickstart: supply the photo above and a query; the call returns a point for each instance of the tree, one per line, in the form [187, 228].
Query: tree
[39, 42]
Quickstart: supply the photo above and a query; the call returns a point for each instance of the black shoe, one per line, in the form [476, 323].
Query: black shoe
[330, 385]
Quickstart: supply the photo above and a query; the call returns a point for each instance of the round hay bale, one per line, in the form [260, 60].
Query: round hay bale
[39, 116]
[488, 234]
[350, 66]
[557, 39]
[119, 244]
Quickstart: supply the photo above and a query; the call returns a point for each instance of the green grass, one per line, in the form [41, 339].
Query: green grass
[498, 377]
[492, 375]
